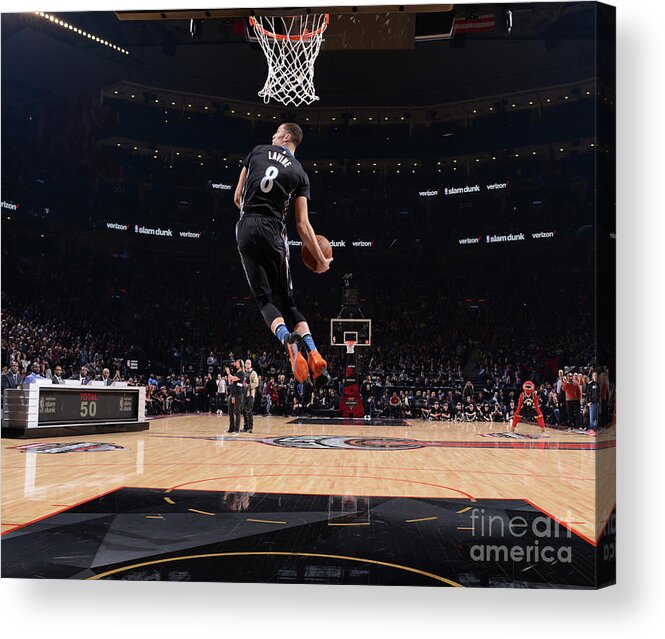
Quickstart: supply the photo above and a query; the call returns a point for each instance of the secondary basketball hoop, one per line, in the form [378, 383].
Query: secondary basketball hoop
[291, 45]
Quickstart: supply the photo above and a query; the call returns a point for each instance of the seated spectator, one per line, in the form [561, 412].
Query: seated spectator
[510, 411]
[296, 406]
[552, 408]
[34, 374]
[13, 378]
[382, 406]
[436, 414]
[470, 412]
[179, 400]
[106, 377]
[57, 375]
[395, 405]
[82, 376]
[446, 415]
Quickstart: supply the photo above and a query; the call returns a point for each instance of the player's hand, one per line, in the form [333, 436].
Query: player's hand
[322, 267]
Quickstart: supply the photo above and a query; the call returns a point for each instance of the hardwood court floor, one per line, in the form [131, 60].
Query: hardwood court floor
[560, 474]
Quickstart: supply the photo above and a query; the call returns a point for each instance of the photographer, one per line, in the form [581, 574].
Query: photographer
[235, 381]
[249, 388]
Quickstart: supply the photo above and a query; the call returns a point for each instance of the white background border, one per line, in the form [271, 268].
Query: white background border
[108, 609]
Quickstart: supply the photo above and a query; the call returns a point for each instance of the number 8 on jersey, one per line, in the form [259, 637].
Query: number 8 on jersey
[266, 183]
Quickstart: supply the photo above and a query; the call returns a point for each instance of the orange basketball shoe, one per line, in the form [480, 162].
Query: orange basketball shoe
[319, 368]
[299, 366]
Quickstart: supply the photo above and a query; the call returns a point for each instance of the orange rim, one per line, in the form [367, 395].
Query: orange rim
[308, 35]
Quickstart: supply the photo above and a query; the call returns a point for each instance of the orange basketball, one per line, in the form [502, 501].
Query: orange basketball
[308, 258]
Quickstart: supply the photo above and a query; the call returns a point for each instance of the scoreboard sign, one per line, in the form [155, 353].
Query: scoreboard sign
[86, 407]
[49, 410]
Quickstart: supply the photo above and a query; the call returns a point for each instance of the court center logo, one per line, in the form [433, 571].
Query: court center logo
[509, 435]
[75, 447]
[342, 443]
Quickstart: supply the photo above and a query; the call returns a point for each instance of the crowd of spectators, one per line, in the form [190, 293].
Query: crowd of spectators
[496, 400]
[408, 380]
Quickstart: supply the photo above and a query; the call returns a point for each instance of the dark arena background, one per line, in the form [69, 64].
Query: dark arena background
[456, 168]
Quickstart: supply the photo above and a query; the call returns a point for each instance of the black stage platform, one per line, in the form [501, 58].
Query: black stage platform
[150, 534]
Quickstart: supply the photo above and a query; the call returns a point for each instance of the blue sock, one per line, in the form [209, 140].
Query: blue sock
[309, 342]
[281, 332]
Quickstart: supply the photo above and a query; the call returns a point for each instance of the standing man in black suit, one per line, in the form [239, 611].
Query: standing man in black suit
[235, 381]
[252, 381]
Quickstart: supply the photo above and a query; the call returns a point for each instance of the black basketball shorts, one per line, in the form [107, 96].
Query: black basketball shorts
[264, 253]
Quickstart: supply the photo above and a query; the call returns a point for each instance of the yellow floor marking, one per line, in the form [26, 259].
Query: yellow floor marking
[411, 521]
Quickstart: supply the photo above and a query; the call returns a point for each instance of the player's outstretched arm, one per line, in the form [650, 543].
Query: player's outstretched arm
[308, 236]
[241, 183]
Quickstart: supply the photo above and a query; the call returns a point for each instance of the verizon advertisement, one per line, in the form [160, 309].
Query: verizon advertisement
[466, 189]
[341, 243]
[220, 186]
[154, 232]
[474, 188]
[507, 238]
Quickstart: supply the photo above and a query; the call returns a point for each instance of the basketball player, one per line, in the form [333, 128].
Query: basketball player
[270, 179]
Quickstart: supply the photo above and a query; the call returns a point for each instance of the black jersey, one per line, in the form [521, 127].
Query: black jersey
[528, 410]
[274, 177]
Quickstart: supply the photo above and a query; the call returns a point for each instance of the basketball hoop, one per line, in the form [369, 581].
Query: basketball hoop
[350, 345]
[291, 45]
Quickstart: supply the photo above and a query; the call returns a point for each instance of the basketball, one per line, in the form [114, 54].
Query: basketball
[308, 258]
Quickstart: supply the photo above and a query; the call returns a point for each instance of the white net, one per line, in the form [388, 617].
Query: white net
[291, 45]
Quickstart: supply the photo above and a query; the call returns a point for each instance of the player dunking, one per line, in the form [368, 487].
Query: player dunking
[271, 177]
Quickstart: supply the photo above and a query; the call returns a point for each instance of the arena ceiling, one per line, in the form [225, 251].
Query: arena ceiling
[549, 44]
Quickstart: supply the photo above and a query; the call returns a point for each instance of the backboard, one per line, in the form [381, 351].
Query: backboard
[358, 331]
